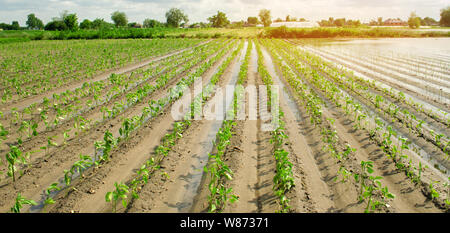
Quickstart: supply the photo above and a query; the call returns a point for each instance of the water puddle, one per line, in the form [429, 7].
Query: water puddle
[426, 126]
[191, 189]
[61, 182]
[348, 66]
[271, 69]
[422, 155]
[423, 89]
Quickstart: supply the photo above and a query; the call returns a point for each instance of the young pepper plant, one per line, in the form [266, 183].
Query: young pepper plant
[20, 201]
[119, 194]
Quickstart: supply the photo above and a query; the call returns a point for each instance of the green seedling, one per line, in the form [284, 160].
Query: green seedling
[48, 199]
[50, 144]
[80, 165]
[20, 202]
[119, 194]
[434, 194]
[3, 133]
[66, 135]
[13, 157]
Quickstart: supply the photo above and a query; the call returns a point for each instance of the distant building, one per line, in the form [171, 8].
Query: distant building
[305, 24]
[394, 22]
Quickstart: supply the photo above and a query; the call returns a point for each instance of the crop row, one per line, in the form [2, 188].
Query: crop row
[71, 103]
[371, 188]
[408, 119]
[378, 63]
[433, 91]
[218, 171]
[50, 65]
[103, 148]
[436, 114]
[396, 147]
[81, 124]
[283, 180]
[168, 141]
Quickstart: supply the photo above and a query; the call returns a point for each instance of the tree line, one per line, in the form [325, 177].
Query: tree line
[177, 18]
[174, 18]
[66, 21]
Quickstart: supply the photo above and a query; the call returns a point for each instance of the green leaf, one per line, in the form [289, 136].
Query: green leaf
[390, 195]
[49, 201]
[213, 208]
[109, 196]
[228, 176]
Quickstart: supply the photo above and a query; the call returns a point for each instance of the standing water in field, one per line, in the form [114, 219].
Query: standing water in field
[194, 178]
[419, 64]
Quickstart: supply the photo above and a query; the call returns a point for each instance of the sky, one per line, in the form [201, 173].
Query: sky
[236, 10]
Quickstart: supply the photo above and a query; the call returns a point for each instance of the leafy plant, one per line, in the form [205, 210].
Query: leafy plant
[13, 157]
[50, 144]
[370, 185]
[119, 194]
[20, 202]
[48, 199]
[433, 192]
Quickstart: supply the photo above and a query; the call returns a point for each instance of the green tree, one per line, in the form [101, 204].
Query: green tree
[86, 24]
[331, 21]
[265, 17]
[98, 23]
[119, 18]
[445, 17]
[71, 21]
[220, 20]
[34, 23]
[15, 25]
[174, 17]
[356, 23]
[339, 22]
[413, 20]
[380, 21]
[5, 26]
[134, 25]
[324, 23]
[101, 24]
[151, 23]
[427, 21]
[238, 24]
[55, 26]
[252, 20]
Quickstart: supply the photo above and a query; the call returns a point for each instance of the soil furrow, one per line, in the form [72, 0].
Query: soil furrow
[425, 144]
[408, 197]
[319, 169]
[35, 99]
[38, 174]
[180, 190]
[423, 94]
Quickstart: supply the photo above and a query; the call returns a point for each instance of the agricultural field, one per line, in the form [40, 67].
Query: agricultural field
[225, 125]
